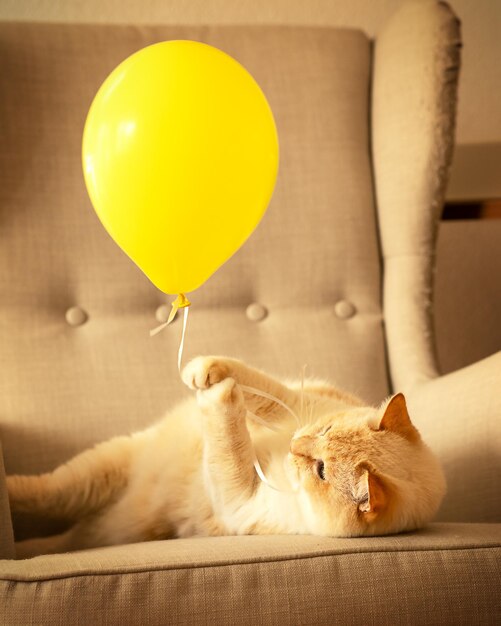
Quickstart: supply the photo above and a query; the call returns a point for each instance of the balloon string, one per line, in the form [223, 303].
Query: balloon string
[262, 477]
[179, 303]
[183, 302]
[260, 420]
[183, 336]
[274, 427]
[268, 396]
[257, 465]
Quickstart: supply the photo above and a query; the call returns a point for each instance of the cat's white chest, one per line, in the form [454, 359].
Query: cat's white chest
[268, 512]
[274, 507]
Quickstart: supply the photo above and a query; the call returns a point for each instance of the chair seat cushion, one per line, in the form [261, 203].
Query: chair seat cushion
[446, 573]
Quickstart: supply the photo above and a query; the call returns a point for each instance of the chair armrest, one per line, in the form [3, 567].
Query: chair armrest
[7, 550]
[416, 65]
[459, 416]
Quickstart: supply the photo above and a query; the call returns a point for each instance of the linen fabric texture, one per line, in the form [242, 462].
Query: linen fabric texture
[267, 580]
[354, 215]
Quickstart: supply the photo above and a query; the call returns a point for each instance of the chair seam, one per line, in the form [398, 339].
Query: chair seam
[242, 562]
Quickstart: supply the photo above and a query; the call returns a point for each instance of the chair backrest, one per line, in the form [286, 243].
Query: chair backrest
[77, 363]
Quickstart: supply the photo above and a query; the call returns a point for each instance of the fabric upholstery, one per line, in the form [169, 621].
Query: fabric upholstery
[71, 377]
[416, 64]
[445, 574]
[415, 81]
[6, 534]
[459, 417]
[466, 309]
[65, 387]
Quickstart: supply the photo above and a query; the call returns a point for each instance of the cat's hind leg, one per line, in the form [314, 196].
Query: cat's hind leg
[87, 483]
[85, 534]
[54, 544]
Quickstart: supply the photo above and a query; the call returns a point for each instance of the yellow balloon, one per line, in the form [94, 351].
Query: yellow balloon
[180, 158]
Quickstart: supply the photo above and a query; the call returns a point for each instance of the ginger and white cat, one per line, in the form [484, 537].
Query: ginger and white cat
[348, 470]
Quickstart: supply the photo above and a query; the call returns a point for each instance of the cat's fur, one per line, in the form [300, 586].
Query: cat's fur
[348, 470]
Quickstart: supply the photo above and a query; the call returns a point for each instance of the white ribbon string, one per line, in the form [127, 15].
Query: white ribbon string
[268, 396]
[252, 390]
[181, 345]
[179, 303]
[263, 478]
[275, 428]
[260, 420]
[158, 329]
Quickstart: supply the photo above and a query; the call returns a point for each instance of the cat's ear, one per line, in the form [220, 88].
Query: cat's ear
[396, 419]
[370, 493]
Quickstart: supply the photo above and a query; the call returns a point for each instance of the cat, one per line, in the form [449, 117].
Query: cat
[347, 470]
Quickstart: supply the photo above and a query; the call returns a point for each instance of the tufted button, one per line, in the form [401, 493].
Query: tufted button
[256, 312]
[162, 313]
[76, 316]
[344, 309]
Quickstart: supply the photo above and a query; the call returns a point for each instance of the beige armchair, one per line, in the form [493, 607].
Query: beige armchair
[338, 275]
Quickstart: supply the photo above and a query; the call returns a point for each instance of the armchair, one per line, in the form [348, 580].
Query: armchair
[339, 275]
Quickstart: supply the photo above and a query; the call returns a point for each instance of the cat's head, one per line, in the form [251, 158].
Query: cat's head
[365, 471]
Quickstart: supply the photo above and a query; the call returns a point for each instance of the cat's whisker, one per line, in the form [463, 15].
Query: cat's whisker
[308, 415]
[301, 409]
[311, 407]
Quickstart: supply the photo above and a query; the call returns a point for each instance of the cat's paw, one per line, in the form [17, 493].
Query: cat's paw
[223, 397]
[204, 371]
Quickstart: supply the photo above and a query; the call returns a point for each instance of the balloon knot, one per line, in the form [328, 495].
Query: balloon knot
[180, 302]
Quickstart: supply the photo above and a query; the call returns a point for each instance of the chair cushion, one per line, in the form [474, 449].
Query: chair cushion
[73, 377]
[444, 574]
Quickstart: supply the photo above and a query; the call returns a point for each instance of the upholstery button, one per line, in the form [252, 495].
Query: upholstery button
[162, 313]
[256, 312]
[76, 316]
[344, 309]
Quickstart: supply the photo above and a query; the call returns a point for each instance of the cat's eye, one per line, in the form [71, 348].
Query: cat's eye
[320, 469]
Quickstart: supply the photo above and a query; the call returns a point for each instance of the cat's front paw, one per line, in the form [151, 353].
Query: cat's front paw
[204, 371]
[224, 398]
